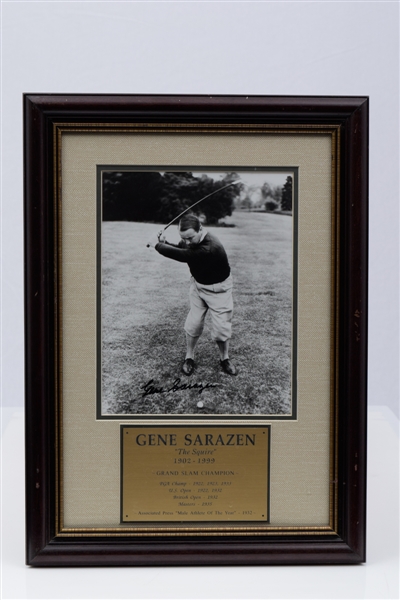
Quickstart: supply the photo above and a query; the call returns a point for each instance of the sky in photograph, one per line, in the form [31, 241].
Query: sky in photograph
[257, 178]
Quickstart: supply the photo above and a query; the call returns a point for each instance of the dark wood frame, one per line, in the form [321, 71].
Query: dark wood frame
[44, 546]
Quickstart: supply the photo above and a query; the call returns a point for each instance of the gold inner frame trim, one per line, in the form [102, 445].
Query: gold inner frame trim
[198, 531]
[60, 128]
[209, 129]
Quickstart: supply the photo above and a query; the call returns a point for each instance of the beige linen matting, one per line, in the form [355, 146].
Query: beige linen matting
[300, 450]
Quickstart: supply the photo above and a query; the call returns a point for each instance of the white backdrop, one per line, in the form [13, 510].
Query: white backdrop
[293, 48]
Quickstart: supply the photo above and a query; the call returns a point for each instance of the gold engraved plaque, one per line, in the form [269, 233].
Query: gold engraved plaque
[200, 473]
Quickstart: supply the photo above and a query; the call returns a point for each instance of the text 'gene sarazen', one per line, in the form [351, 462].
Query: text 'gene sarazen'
[205, 439]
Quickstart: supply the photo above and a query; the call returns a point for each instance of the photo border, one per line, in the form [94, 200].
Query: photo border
[144, 417]
[45, 117]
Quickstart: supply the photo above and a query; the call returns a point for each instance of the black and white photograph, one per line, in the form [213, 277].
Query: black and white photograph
[197, 292]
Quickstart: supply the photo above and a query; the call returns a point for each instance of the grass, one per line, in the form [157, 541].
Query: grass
[144, 307]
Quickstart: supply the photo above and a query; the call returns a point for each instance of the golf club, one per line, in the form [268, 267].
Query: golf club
[198, 202]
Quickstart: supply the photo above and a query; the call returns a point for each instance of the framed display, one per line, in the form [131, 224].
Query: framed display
[196, 313]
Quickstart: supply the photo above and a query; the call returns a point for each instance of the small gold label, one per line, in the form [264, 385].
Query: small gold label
[200, 473]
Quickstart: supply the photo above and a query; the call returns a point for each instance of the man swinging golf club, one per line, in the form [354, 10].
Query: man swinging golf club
[210, 289]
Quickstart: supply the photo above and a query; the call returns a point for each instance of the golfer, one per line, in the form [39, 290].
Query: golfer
[210, 289]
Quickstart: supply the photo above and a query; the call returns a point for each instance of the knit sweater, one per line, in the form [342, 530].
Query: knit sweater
[207, 261]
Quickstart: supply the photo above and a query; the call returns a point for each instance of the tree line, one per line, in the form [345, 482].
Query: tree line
[150, 196]
[272, 198]
[278, 197]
